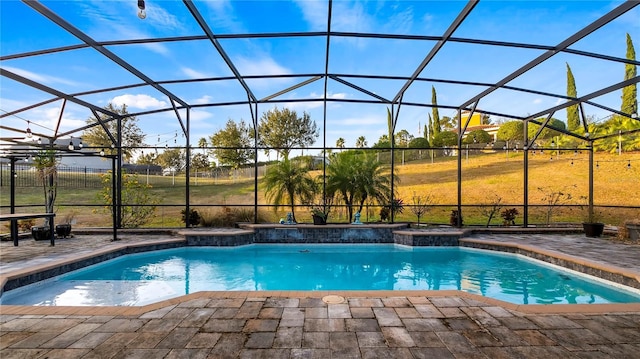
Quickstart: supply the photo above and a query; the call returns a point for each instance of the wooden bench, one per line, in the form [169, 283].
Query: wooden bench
[15, 217]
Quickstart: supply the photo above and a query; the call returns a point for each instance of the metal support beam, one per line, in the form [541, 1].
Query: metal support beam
[291, 88]
[610, 16]
[356, 87]
[64, 103]
[187, 189]
[212, 38]
[99, 48]
[525, 166]
[447, 34]
[6, 73]
[542, 127]
[459, 167]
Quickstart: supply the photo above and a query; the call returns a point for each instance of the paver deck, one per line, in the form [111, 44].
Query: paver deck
[378, 324]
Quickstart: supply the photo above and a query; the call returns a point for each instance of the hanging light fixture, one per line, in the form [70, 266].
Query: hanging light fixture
[102, 152]
[142, 13]
[80, 144]
[71, 147]
[29, 134]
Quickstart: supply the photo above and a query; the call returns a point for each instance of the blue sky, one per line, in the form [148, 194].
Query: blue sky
[533, 22]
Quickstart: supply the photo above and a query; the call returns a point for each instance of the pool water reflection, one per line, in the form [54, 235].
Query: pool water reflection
[149, 277]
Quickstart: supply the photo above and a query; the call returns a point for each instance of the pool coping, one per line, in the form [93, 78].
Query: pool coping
[479, 299]
[580, 264]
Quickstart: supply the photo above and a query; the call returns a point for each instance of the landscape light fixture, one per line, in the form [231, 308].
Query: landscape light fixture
[142, 14]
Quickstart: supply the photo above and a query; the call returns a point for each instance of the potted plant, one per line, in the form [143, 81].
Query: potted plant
[64, 229]
[319, 215]
[509, 216]
[591, 224]
[396, 207]
[46, 166]
[193, 219]
[631, 229]
[455, 217]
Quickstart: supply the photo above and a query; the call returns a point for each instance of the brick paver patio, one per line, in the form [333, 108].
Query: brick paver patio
[384, 324]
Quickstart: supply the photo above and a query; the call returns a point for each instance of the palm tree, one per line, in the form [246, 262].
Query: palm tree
[288, 181]
[373, 181]
[202, 143]
[361, 142]
[340, 142]
[355, 177]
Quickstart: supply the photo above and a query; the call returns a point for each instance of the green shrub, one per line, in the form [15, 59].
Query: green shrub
[228, 217]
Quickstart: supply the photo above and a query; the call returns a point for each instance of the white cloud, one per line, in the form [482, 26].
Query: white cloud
[142, 102]
[400, 22]
[200, 115]
[350, 17]
[339, 95]
[193, 74]
[41, 78]
[537, 101]
[361, 121]
[222, 16]
[315, 13]
[303, 106]
[263, 66]
[203, 99]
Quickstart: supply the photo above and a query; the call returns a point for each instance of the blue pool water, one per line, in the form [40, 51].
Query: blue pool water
[149, 277]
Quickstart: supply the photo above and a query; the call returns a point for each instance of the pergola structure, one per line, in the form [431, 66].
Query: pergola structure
[396, 86]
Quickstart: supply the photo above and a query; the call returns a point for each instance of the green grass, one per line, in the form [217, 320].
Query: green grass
[484, 176]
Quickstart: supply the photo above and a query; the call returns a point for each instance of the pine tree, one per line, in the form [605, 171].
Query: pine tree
[630, 93]
[573, 119]
[430, 138]
[425, 132]
[436, 116]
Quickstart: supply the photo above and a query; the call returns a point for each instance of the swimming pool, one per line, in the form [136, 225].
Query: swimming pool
[153, 276]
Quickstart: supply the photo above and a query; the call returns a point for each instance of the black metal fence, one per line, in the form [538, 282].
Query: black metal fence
[68, 177]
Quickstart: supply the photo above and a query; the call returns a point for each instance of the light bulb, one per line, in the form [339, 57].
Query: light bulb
[29, 134]
[80, 144]
[141, 9]
[71, 148]
[102, 152]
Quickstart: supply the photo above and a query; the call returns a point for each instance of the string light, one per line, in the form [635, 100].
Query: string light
[71, 147]
[142, 13]
[80, 144]
[629, 165]
[29, 134]
[102, 152]
[572, 162]
[597, 164]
